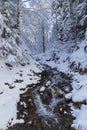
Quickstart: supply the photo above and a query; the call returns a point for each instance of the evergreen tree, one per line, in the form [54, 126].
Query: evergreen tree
[71, 17]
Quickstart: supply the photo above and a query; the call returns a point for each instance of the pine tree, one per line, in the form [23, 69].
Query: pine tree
[71, 17]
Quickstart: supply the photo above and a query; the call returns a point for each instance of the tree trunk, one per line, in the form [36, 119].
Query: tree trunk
[71, 2]
[43, 38]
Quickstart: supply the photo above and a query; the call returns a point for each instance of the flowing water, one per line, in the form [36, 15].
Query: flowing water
[43, 106]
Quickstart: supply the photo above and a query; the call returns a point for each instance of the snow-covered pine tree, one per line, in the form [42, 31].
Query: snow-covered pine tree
[9, 32]
[71, 17]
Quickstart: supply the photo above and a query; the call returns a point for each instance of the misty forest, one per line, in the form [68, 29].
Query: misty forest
[43, 64]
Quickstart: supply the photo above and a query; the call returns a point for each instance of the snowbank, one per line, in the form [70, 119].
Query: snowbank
[81, 118]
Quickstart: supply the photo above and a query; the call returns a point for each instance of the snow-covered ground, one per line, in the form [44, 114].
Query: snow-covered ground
[72, 60]
[13, 82]
[67, 59]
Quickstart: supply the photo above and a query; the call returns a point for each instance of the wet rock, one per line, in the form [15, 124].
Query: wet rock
[6, 83]
[9, 65]
[79, 104]
[18, 81]
[22, 89]
[21, 74]
[44, 75]
[1, 93]
[11, 86]
[47, 96]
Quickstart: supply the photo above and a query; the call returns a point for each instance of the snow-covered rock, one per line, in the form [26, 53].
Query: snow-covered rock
[42, 89]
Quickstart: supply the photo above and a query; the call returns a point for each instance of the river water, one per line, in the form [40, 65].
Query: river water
[43, 106]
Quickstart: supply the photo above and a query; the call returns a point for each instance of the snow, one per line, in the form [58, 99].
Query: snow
[10, 90]
[48, 83]
[80, 123]
[79, 84]
[30, 122]
[42, 89]
[68, 96]
[80, 57]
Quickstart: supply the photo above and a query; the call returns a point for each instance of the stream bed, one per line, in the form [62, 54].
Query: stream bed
[43, 106]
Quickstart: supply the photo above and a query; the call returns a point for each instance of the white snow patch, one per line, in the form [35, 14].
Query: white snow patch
[42, 89]
[48, 83]
[68, 96]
